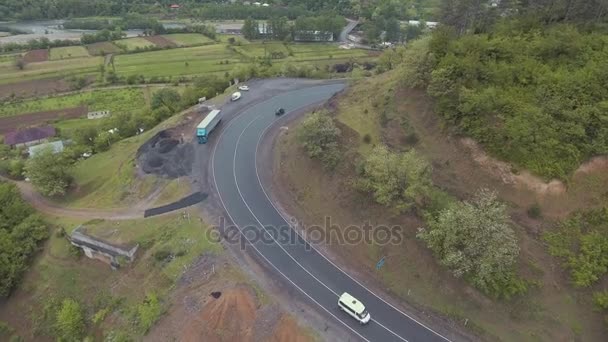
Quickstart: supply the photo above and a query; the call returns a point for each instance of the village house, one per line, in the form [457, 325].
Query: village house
[55, 146]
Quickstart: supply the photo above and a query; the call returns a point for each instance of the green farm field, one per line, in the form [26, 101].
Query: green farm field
[133, 43]
[215, 58]
[188, 39]
[115, 100]
[68, 52]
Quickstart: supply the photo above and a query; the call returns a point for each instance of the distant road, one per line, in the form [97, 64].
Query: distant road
[318, 280]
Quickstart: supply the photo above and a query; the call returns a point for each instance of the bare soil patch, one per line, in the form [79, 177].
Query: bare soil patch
[35, 88]
[11, 123]
[212, 302]
[33, 56]
[161, 41]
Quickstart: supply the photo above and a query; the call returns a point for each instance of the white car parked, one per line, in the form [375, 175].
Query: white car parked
[244, 88]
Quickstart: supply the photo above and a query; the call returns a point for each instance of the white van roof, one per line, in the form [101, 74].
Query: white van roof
[352, 302]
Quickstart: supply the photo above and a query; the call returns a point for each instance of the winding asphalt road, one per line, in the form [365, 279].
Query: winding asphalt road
[268, 233]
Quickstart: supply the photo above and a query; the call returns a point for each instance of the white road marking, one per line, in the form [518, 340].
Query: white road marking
[258, 251]
[319, 252]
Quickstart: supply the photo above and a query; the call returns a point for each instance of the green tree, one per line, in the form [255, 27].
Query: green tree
[392, 30]
[167, 97]
[319, 135]
[250, 29]
[397, 180]
[475, 241]
[49, 173]
[70, 323]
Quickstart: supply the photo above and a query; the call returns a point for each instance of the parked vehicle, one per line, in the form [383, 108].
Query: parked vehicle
[207, 125]
[354, 308]
[235, 96]
[244, 88]
[279, 111]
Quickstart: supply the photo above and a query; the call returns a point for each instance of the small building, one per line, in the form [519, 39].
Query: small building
[429, 24]
[98, 114]
[55, 146]
[105, 251]
[313, 36]
[29, 136]
[174, 6]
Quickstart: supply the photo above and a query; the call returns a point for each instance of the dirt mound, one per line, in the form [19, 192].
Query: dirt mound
[166, 155]
[230, 317]
[503, 170]
[160, 41]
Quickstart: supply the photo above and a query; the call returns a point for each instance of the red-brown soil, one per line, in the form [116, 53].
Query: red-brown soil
[11, 123]
[33, 88]
[160, 41]
[40, 55]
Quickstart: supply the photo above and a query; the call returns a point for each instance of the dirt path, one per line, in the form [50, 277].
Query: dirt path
[46, 206]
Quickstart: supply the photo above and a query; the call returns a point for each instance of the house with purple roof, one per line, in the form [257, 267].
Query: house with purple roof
[29, 136]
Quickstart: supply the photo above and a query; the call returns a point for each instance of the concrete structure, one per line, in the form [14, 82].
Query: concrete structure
[55, 146]
[29, 136]
[98, 114]
[429, 24]
[313, 36]
[95, 248]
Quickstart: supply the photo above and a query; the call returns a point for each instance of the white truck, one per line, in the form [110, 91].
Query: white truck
[207, 125]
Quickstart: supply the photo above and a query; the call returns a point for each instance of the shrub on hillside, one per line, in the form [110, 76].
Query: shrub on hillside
[319, 136]
[397, 180]
[475, 241]
[582, 242]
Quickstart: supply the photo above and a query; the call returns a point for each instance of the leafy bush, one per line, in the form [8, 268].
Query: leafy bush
[582, 242]
[148, 312]
[319, 136]
[534, 97]
[49, 173]
[397, 180]
[20, 233]
[601, 299]
[475, 241]
[70, 324]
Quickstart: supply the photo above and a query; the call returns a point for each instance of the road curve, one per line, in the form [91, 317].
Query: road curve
[268, 233]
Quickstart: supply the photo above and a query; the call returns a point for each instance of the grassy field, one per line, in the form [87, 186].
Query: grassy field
[115, 100]
[188, 61]
[133, 43]
[68, 52]
[111, 299]
[101, 48]
[188, 39]
[107, 180]
[48, 69]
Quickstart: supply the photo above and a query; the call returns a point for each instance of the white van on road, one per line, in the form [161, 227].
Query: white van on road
[354, 307]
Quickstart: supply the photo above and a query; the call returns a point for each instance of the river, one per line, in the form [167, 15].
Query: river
[52, 30]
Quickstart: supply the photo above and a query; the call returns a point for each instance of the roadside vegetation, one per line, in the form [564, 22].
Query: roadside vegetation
[21, 233]
[501, 80]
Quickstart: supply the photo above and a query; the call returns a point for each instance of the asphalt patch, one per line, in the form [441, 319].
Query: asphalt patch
[166, 155]
[187, 201]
